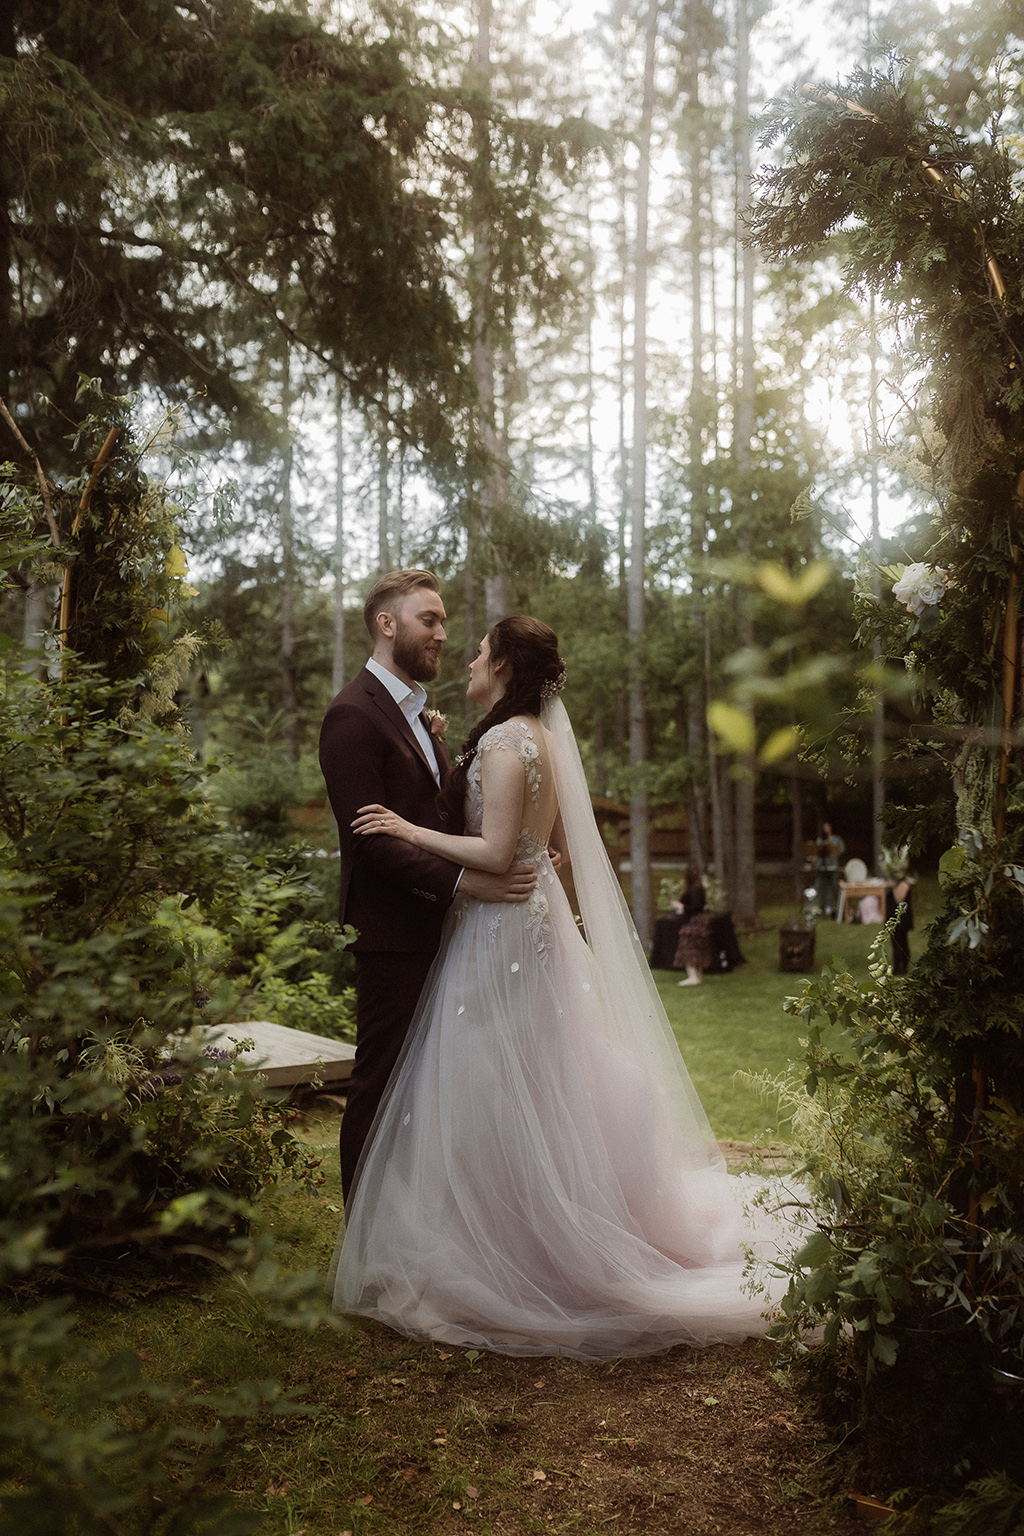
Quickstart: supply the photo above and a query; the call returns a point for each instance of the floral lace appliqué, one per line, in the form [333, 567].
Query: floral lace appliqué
[517, 736]
[514, 734]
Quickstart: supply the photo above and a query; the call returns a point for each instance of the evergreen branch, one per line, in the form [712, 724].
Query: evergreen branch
[937, 177]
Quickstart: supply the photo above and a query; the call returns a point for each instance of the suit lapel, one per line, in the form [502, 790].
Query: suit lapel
[395, 718]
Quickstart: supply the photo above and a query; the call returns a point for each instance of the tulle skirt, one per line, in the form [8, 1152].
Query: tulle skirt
[532, 1185]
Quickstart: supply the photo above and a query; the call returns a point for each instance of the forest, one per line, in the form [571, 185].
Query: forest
[411, 288]
[691, 327]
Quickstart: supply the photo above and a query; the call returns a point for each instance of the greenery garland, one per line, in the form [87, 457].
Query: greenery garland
[914, 1123]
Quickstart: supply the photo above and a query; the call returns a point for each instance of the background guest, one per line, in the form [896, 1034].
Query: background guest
[694, 947]
[830, 849]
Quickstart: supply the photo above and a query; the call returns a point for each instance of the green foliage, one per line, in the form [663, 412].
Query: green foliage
[104, 1091]
[70, 1472]
[127, 1149]
[258, 795]
[165, 168]
[912, 1119]
[993, 1506]
[312, 1005]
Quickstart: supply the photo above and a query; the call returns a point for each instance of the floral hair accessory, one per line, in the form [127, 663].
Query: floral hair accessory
[553, 687]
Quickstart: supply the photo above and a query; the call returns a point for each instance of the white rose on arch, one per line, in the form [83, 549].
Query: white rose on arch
[920, 587]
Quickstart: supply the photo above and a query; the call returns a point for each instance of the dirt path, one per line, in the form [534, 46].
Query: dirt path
[695, 1441]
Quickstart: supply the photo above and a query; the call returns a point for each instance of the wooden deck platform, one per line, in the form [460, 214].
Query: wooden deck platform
[286, 1057]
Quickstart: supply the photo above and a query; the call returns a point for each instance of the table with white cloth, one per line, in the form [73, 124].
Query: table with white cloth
[852, 890]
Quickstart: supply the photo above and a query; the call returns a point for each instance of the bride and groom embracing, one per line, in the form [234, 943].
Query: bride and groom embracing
[527, 1167]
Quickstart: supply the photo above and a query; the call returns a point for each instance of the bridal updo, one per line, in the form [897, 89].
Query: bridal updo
[533, 671]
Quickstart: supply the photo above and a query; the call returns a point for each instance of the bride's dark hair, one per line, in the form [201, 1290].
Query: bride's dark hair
[528, 650]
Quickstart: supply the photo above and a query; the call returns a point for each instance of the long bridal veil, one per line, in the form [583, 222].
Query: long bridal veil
[636, 1010]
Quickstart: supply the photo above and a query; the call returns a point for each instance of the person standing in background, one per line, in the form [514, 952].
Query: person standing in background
[694, 947]
[830, 849]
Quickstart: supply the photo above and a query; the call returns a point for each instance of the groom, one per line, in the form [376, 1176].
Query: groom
[376, 747]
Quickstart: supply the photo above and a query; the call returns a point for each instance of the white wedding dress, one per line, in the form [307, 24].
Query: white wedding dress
[541, 1178]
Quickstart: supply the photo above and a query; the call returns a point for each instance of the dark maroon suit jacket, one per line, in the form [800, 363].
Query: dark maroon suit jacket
[394, 894]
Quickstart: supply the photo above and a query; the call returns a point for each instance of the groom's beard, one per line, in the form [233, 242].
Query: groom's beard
[421, 659]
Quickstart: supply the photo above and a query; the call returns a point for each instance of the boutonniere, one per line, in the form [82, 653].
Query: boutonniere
[438, 723]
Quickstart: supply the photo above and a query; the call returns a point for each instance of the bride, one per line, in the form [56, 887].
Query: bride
[541, 1177]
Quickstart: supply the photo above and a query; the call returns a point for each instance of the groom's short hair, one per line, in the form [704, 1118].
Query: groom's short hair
[386, 592]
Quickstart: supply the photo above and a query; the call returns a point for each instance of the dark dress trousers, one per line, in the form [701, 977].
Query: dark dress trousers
[395, 895]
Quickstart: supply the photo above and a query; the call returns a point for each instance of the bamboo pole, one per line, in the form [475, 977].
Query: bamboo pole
[83, 507]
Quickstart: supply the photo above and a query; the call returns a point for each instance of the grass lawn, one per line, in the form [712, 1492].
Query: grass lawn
[736, 1023]
[417, 1438]
[409, 1439]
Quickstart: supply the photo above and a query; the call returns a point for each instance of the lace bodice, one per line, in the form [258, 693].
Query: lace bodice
[538, 807]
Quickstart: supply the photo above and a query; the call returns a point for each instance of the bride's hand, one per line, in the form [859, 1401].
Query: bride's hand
[377, 818]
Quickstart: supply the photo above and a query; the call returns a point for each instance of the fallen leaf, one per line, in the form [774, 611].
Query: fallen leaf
[399, 1381]
[367, 1498]
[472, 1493]
[410, 1474]
[442, 1356]
[350, 1374]
[335, 1208]
[456, 1504]
[540, 1477]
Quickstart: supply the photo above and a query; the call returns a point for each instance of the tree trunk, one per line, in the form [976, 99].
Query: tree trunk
[622, 555]
[744, 890]
[397, 520]
[7, 369]
[493, 488]
[338, 659]
[721, 838]
[878, 713]
[696, 732]
[383, 503]
[36, 620]
[289, 701]
[589, 393]
[797, 798]
[471, 637]
[639, 809]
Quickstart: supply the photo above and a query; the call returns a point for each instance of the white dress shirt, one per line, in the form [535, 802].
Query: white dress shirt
[410, 701]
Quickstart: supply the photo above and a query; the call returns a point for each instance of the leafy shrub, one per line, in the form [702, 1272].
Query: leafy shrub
[311, 1005]
[126, 910]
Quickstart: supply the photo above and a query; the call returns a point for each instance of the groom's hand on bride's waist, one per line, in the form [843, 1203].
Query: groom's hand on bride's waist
[514, 885]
